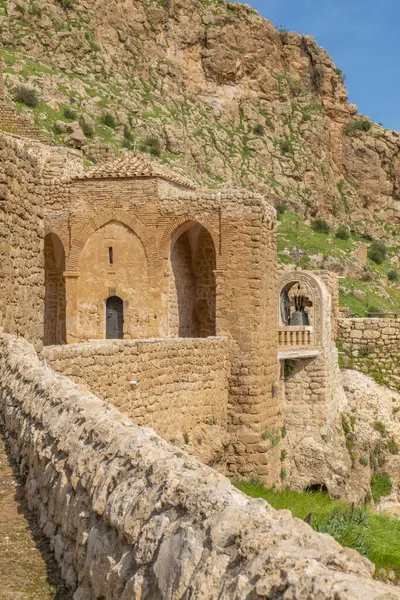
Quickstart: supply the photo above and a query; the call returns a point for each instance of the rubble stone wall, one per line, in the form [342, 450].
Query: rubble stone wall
[181, 383]
[21, 236]
[373, 347]
[130, 516]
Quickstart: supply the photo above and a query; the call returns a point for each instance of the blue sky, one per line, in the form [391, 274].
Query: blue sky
[362, 37]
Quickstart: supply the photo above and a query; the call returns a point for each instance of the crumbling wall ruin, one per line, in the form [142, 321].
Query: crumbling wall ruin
[129, 516]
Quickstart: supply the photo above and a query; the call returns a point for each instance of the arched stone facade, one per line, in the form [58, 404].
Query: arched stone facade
[126, 277]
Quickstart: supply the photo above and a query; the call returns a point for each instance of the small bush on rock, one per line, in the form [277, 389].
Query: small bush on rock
[377, 253]
[320, 226]
[109, 120]
[393, 447]
[258, 129]
[393, 275]
[26, 96]
[356, 125]
[68, 4]
[280, 208]
[70, 114]
[87, 129]
[343, 233]
[380, 427]
[152, 145]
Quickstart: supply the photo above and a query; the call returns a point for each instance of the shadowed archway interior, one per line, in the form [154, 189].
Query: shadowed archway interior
[54, 299]
[192, 290]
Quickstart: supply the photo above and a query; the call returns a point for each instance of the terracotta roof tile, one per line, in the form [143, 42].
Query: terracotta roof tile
[136, 165]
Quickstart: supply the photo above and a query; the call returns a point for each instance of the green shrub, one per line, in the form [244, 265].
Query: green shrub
[68, 4]
[259, 129]
[285, 146]
[70, 114]
[152, 145]
[165, 4]
[376, 256]
[343, 233]
[364, 461]
[87, 129]
[377, 252]
[283, 455]
[393, 447]
[380, 427]
[109, 120]
[381, 485]
[320, 226]
[280, 208]
[273, 437]
[392, 275]
[26, 96]
[283, 473]
[128, 135]
[358, 125]
[283, 432]
[57, 129]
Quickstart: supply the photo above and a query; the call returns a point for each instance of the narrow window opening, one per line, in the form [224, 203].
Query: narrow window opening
[111, 255]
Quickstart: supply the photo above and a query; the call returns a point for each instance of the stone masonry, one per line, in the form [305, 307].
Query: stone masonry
[372, 346]
[129, 516]
[179, 387]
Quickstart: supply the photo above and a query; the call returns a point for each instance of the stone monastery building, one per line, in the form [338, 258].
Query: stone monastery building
[129, 297]
[185, 277]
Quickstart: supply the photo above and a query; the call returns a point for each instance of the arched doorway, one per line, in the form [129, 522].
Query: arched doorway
[54, 299]
[114, 318]
[192, 293]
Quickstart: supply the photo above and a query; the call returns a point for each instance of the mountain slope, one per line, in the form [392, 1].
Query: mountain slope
[211, 88]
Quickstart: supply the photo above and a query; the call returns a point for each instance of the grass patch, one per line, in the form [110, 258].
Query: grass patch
[381, 485]
[376, 536]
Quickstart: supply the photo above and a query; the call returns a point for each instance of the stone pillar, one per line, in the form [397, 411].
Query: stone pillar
[246, 313]
[1, 77]
[72, 310]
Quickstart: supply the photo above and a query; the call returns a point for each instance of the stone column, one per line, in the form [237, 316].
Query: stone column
[72, 310]
[246, 313]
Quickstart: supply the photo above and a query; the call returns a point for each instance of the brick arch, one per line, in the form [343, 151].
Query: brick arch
[165, 242]
[321, 302]
[83, 232]
[51, 228]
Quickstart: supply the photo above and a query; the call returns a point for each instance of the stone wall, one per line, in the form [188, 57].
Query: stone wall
[129, 516]
[182, 383]
[373, 347]
[315, 443]
[21, 236]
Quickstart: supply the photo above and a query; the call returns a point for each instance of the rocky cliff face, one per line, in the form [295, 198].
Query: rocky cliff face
[212, 88]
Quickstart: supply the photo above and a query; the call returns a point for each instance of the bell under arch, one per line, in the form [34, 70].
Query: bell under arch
[304, 301]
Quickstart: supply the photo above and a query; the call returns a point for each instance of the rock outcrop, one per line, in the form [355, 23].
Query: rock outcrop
[371, 422]
[217, 90]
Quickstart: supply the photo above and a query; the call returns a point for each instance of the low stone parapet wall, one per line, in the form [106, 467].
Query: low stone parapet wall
[173, 385]
[373, 347]
[130, 516]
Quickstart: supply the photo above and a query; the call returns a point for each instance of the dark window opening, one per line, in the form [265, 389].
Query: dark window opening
[111, 255]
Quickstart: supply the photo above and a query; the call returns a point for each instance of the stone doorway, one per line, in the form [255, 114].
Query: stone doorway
[114, 318]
